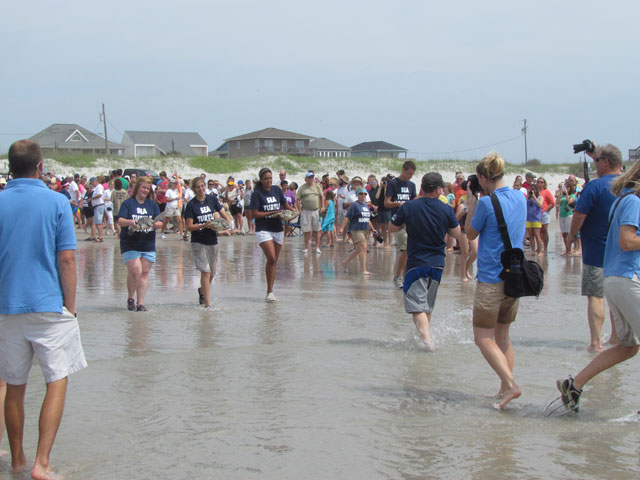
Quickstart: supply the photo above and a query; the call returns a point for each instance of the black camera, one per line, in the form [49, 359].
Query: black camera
[473, 184]
[377, 236]
[586, 145]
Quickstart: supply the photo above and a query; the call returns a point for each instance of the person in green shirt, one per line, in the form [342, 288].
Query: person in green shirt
[568, 202]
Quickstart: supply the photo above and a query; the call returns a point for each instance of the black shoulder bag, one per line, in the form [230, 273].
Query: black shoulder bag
[522, 278]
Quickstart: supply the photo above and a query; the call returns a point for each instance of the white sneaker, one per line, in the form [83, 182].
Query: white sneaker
[397, 281]
[271, 297]
[318, 250]
[163, 236]
[305, 251]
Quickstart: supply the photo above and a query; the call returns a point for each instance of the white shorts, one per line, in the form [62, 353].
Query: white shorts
[170, 212]
[205, 257]
[546, 218]
[565, 224]
[53, 337]
[264, 236]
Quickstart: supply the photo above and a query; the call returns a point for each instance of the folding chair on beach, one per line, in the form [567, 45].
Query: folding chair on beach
[293, 229]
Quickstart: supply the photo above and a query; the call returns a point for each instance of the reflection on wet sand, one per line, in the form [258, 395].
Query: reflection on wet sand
[328, 382]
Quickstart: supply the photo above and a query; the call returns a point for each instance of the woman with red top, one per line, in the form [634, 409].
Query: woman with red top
[548, 203]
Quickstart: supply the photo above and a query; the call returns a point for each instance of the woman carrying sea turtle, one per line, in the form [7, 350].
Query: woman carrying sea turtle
[267, 201]
[199, 214]
[136, 218]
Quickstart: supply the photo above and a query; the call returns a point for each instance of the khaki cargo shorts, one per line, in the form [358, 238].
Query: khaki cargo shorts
[491, 306]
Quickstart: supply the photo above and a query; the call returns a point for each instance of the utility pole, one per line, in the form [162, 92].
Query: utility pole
[524, 130]
[104, 122]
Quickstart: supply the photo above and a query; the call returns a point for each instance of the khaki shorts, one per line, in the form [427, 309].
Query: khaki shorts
[401, 239]
[205, 257]
[170, 212]
[53, 337]
[592, 281]
[623, 297]
[309, 220]
[359, 236]
[491, 306]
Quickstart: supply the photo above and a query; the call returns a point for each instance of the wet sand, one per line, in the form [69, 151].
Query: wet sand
[326, 383]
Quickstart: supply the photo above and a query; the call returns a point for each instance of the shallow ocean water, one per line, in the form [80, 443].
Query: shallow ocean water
[326, 383]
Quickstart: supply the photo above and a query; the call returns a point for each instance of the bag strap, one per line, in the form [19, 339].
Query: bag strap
[616, 206]
[502, 226]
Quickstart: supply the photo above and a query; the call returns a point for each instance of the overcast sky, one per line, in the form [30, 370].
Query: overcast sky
[431, 77]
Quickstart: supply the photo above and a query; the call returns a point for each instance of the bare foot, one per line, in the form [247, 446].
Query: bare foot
[465, 279]
[39, 473]
[612, 341]
[366, 272]
[512, 393]
[18, 467]
[594, 348]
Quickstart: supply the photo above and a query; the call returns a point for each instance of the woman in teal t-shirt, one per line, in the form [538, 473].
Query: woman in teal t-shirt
[568, 202]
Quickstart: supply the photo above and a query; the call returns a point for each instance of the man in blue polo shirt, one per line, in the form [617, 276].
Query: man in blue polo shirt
[37, 300]
[591, 218]
[427, 221]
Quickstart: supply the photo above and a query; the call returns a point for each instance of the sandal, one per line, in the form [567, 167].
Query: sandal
[99, 240]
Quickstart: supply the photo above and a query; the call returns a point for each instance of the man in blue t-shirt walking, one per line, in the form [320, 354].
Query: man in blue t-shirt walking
[591, 218]
[427, 222]
[37, 300]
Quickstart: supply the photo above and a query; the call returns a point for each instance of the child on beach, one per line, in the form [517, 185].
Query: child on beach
[329, 219]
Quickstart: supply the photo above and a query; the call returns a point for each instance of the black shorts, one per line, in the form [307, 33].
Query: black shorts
[235, 210]
[88, 212]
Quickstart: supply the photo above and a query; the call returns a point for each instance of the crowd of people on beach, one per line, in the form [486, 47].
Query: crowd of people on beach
[598, 220]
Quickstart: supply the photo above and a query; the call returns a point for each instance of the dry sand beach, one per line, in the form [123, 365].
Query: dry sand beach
[352, 168]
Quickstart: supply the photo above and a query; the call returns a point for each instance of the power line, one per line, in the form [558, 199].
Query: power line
[114, 127]
[470, 149]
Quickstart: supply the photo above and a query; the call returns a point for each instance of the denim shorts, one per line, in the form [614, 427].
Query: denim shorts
[133, 254]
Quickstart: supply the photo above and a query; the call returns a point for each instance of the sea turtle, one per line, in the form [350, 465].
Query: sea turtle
[287, 215]
[144, 224]
[218, 224]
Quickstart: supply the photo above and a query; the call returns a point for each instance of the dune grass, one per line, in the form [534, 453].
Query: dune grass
[295, 164]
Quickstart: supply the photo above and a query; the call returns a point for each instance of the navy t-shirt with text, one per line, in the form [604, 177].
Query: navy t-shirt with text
[400, 191]
[138, 241]
[268, 201]
[202, 212]
[359, 216]
[427, 221]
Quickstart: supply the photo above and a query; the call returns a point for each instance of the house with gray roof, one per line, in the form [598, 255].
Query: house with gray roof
[378, 149]
[156, 144]
[267, 141]
[325, 148]
[69, 137]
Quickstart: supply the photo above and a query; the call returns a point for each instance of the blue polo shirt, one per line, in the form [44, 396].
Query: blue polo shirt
[35, 224]
[595, 202]
[490, 246]
[618, 263]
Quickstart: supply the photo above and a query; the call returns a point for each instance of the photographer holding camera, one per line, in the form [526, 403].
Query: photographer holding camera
[493, 311]
[591, 218]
